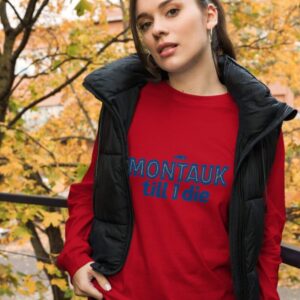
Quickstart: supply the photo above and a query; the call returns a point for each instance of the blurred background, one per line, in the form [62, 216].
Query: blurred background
[48, 121]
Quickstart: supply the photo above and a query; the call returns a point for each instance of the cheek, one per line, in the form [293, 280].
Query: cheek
[190, 30]
[148, 42]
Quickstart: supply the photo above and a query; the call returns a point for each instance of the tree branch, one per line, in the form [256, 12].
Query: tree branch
[56, 242]
[86, 114]
[51, 154]
[38, 226]
[35, 141]
[25, 76]
[27, 17]
[61, 165]
[124, 40]
[22, 45]
[43, 5]
[66, 138]
[16, 12]
[37, 60]
[28, 23]
[113, 40]
[293, 213]
[113, 4]
[38, 247]
[3, 16]
[52, 93]
[71, 79]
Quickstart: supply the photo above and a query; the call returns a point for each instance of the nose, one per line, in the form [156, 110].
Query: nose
[159, 28]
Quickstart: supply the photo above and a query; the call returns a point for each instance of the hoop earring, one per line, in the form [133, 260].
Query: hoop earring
[150, 60]
[210, 35]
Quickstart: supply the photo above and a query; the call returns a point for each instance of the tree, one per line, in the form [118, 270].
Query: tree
[47, 159]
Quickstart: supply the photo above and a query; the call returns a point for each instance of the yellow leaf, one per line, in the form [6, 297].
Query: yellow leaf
[61, 283]
[51, 269]
[40, 265]
[297, 140]
[30, 285]
[53, 218]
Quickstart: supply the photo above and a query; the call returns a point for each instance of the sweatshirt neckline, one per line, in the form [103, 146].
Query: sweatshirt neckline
[220, 100]
[179, 93]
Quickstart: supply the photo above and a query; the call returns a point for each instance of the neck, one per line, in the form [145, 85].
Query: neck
[199, 79]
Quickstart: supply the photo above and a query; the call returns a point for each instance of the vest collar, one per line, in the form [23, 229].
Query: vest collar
[257, 107]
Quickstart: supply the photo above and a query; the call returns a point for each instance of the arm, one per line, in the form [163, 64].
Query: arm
[77, 251]
[269, 258]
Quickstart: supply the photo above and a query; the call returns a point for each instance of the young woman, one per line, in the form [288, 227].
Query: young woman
[184, 197]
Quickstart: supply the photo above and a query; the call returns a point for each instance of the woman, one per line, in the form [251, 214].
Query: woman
[187, 171]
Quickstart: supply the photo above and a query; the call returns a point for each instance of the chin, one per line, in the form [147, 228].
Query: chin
[174, 67]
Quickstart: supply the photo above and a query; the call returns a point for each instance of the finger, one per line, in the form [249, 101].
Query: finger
[93, 292]
[102, 280]
[86, 288]
[90, 291]
[79, 292]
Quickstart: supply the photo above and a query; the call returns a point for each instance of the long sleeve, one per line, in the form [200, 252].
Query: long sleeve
[269, 258]
[77, 251]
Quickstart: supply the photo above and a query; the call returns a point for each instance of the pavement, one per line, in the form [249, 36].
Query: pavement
[288, 293]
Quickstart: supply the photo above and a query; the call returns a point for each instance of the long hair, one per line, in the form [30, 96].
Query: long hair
[221, 43]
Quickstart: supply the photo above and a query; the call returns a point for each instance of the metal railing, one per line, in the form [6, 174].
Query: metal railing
[290, 255]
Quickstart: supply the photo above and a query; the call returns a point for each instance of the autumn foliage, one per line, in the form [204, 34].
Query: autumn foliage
[46, 157]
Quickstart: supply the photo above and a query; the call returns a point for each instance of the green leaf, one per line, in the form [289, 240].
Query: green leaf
[56, 63]
[68, 293]
[13, 106]
[33, 91]
[19, 136]
[82, 6]
[80, 171]
[73, 49]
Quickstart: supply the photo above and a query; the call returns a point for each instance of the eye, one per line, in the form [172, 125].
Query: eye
[144, 27]
[173, 11]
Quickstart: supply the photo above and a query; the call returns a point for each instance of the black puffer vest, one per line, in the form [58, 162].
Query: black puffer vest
[118, 86]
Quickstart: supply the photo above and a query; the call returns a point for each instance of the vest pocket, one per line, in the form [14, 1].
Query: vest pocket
[254, 229]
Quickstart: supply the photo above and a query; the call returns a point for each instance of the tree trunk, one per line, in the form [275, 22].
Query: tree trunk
[6, 83]
[56, 245]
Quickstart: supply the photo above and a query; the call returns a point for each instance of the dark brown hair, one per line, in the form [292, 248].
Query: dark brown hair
[221, 43]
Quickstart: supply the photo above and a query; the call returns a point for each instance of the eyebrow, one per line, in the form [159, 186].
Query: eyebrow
[160, 6]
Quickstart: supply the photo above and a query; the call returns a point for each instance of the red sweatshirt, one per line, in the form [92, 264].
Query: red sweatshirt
[181, 154]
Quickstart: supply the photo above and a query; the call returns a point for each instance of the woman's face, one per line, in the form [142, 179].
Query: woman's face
[179, 22]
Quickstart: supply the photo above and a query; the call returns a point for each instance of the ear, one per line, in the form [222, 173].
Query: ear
[212, 16]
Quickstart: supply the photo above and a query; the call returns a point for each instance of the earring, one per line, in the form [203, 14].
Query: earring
[150, 60]
[210, 35]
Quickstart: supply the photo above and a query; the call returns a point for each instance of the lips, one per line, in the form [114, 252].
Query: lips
[163, 46]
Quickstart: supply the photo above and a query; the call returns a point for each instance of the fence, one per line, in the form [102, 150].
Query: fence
[290, 254]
